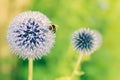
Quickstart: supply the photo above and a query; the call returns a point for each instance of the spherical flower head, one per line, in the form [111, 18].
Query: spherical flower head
[29, 35]
[86, 41]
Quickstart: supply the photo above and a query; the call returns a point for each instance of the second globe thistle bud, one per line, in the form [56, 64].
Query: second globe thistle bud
[86, 41]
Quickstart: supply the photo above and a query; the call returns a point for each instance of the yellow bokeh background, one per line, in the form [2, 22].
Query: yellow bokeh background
[70, 15]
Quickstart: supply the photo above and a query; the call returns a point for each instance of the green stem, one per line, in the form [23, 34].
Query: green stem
[76, 67]
[30, 76]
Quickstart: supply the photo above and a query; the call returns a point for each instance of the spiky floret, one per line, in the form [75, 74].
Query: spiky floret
[86, 41]
[29, 35]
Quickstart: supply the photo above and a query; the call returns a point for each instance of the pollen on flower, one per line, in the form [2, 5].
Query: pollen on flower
[29, 35]
[86, 41]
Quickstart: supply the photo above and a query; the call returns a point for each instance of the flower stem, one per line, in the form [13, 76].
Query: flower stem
[30, 76]
[76, 67]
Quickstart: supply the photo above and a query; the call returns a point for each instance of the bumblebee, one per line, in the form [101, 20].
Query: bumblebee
[53, 28]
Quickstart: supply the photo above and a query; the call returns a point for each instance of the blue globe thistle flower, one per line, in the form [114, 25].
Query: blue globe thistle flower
[86, 41]
[29, 35]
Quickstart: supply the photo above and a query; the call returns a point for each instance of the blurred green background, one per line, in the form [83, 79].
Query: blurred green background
[70, 15]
